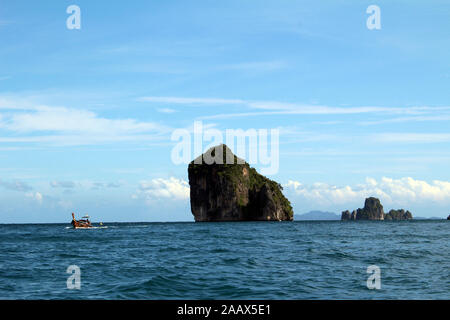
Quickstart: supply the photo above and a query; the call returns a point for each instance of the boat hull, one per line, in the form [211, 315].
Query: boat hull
[80, 224]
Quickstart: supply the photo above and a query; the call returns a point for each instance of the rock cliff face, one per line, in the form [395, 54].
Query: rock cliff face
[234, 191]
[373, 210]
[346, 215]
[448, 218]
[398, 215]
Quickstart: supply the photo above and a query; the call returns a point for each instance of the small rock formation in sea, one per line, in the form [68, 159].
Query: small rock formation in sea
[398, 215]
[231, 190]
[346, 215]
[448, 218]
[373, 210]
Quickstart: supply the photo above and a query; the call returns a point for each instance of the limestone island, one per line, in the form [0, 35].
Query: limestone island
[231, 190]
[373, 210]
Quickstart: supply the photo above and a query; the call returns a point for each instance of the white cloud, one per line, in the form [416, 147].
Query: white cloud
[441, 117]
[391, 191]
[68, 126]
[4, 22]
[16, 103]
[81, 139]
[259, 66]
[268, 108]
[63, 184]
[412, 137]
[277, 108]
[37, 196]
[72, 120]
[66, 204]
[103, 185]
[184, 100]
[15, 185]
[163, 189]
[166, 110]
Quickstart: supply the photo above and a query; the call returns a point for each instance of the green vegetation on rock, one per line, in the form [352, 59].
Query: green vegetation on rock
[256, 197]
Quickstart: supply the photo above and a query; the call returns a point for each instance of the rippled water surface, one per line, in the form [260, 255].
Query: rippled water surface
[249, 260]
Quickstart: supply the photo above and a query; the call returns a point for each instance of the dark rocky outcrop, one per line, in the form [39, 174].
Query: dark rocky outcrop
[373, 210]
[233, 191]
[398, 215]
[448, 218]
[346, 215]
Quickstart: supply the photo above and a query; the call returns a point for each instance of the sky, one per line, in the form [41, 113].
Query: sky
[87, 115]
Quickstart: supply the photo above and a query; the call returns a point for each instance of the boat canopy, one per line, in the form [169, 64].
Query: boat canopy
[86, 217]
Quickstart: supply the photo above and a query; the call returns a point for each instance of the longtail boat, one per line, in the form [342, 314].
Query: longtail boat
[83, 223]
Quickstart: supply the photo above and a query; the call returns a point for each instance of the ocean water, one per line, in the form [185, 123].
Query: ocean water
[248, 260]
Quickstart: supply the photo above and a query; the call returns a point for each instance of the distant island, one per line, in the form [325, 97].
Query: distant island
[373, 210]
[231, 190]
[317, 215]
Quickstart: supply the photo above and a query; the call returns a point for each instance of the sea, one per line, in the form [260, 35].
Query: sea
[240, 260]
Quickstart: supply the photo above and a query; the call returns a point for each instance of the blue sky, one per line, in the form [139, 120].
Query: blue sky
[86, 115]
